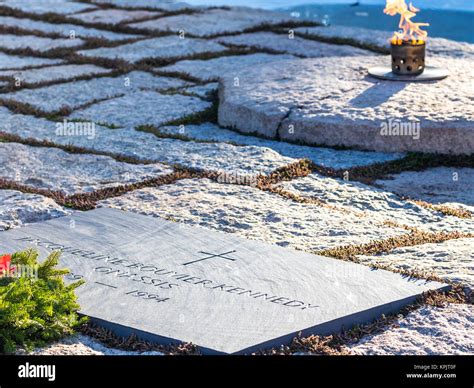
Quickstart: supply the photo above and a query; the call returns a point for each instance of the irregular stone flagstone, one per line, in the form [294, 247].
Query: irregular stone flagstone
[52, 73]
[375, 203]
[297, 46]
[451, 260]
[65, 30]
[426, 331]
[36, 43]
[18, 62]
[75, 94]
[235, 161]
[228, 66]
[48, 6]
[322, 101]
[81, 345]
[165, 5]
[164, 47]
[113, 16]
[442, 185]
[381, 39]
[17, 208]
[141, 108]
[322, 156]
[54, 169]
[215, 21]
[252, 213]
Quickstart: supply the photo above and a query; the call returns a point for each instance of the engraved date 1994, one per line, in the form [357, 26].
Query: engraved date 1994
[146, 296]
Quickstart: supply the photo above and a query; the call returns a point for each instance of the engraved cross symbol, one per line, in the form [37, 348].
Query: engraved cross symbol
[211, 256]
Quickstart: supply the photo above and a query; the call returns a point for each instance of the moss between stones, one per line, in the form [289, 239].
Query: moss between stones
[133, 343]
[414, 237]
[446, 210]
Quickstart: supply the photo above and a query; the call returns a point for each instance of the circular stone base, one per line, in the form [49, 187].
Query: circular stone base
[430, 74]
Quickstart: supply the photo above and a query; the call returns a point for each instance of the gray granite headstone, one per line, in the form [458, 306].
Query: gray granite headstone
[170, 283]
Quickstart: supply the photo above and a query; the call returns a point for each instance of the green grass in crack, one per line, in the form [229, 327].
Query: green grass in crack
[35, 310]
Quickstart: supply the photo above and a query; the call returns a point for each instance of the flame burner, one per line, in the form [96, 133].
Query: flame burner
[408, 65]
[408, 59]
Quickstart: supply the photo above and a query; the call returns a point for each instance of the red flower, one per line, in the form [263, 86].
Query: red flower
[5, 262]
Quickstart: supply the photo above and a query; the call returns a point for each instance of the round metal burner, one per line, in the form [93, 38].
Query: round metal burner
[430, 74]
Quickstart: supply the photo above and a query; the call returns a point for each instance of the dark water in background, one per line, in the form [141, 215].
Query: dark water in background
[455, 25]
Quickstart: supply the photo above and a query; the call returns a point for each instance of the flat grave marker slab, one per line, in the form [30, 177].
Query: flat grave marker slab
[168, 282]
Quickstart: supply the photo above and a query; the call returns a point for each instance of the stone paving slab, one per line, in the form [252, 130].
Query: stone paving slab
[15, 42]
[229, 66]
[52, 73]
[65, 30]
[374, 203]
[322, 156]
[164, 48]
[441, 185]
[18, 62]
[165, 5]
[235, 161]
[215, 21]
[322, 101]
[113, 16]
[75, 94]
[17, 208]
[426, 331]
[435, 46]
[63, 7]
[54, 169]
[253, 214]
[142, 108]
[296, 46]
[451, 260]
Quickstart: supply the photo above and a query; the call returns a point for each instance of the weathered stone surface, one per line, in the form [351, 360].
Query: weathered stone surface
[142, 108]
[52, 73]
[54, 169]
[426, 331]
[228, 66]
[341, 105]
[221, 292]
[253, 214]
[17, 209]
[451, 260]
[203, 91]
[374, 203]
[65, 30]
[297, 46]
[235, 161]
[165, 47]
[75, 94]
[113, 16]
[19, 62]
[48, 6]
[81, 345]
[435, 46]
[441, 185]
[165, 5]
[322, 156]
[36, 43]
[215, 21]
